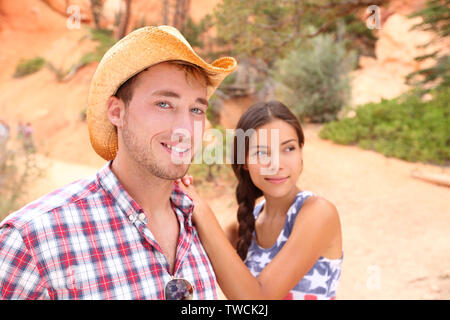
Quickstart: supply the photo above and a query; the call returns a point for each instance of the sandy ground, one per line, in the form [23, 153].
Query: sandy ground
[395, 227]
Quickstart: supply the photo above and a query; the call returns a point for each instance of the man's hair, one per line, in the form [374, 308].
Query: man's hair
[125, 91]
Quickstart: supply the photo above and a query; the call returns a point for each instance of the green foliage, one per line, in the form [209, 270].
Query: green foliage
[313, 78]
[213, 155]
[255, 27]
[357, 35]
[213, 110]
[406, 128]
[439, 73]
[435, 17]
[18, 169]
[193, 31]
[269, 29]
[26, 67]
[105, 39]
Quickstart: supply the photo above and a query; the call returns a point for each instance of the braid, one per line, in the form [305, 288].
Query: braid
[246, 195]
[253, 118]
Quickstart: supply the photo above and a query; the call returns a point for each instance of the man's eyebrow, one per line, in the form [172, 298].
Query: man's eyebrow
[167, 93]
[202, 101]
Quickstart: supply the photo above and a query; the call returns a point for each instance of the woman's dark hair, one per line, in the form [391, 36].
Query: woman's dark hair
[257, 115]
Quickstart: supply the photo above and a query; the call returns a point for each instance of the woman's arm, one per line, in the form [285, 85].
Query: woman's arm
[313, 231]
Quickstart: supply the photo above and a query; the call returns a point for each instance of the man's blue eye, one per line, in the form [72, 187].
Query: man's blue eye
[197, 110]
[163, 105]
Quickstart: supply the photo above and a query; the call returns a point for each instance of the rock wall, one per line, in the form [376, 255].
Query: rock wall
[396, 48]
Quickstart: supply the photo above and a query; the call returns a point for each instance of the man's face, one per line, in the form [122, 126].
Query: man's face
[164, 103]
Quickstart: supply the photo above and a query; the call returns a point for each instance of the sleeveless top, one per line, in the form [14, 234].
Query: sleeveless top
[322, 279]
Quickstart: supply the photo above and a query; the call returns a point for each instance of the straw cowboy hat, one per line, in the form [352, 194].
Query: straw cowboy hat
[137, 51]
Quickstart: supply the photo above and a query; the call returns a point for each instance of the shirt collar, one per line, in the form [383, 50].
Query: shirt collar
[180, 200]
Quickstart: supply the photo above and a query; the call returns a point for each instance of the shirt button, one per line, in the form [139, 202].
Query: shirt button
[142, 217]
[132, 218]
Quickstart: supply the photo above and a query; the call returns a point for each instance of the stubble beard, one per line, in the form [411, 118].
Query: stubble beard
[142, 154]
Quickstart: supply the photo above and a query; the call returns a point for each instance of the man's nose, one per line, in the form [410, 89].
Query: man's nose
[182, 127]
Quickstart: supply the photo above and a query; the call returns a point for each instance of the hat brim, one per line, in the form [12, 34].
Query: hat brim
[139, 50]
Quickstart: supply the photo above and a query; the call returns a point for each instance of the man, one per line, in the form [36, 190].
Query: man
[125, 233]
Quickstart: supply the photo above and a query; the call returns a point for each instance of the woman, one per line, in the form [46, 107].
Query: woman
[290, 243]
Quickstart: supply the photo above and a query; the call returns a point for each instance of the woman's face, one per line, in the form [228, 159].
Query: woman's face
[274, 159]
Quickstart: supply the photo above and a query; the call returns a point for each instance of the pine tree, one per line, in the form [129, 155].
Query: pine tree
[436, 18]
[269, 29]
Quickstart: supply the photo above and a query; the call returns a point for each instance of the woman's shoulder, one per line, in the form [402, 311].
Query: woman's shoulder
[311, 199]
[319, 209]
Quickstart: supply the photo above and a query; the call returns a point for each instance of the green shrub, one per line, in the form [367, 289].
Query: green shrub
[313, 78]
[26, 67]
[406, 128]
[19, 169]
[105, 39]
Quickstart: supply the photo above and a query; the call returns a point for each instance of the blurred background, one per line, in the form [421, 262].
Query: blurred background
[369, 80]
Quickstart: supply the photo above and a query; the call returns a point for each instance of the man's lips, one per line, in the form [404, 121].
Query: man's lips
[276, 180]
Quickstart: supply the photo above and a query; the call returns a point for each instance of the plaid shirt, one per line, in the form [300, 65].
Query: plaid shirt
[89, 240]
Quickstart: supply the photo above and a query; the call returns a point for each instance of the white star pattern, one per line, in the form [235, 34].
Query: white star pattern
[317, 280]
[281, 239]
[264, 259]
[314, 280]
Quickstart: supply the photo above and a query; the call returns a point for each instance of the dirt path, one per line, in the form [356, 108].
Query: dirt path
[395, 228]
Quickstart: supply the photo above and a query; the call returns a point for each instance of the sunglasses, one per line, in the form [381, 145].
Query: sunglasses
[178, 289]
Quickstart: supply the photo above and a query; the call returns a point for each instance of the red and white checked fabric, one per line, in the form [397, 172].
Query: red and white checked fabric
[86, 241]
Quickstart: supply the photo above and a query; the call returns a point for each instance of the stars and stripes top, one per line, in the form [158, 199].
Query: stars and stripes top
[322, 279]
[89, 240]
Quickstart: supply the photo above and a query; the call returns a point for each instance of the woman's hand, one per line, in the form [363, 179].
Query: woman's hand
[187, 185]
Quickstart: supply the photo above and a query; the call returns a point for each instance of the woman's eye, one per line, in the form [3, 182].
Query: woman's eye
[197, 110]
[163, 105]
[290, 148]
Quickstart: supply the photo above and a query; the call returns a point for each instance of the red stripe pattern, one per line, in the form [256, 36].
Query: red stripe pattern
[86, 241]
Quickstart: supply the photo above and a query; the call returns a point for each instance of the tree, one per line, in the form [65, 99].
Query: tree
[96, 9]
[435, 17]
[182, 8]
[166, 12]
[268, 29]
[125, 17]
[313, 78]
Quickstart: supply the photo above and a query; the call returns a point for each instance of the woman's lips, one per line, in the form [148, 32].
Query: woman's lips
[276, 180]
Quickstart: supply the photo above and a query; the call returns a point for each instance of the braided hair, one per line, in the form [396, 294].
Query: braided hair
[254, 117]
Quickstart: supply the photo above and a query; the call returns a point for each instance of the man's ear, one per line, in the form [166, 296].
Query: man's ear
[116, 111]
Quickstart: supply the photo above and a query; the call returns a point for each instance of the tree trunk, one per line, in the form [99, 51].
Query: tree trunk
[123, 25]
[182, 8]
[176, 15]
[96, 9]
[166, 12]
